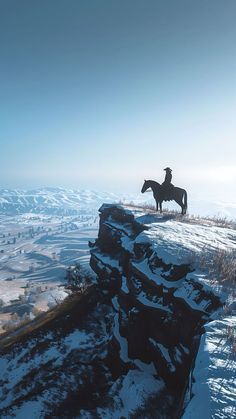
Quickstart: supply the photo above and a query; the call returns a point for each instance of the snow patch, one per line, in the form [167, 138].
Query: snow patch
[214, 387]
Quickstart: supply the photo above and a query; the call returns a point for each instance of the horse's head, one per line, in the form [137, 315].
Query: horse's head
[146, 185]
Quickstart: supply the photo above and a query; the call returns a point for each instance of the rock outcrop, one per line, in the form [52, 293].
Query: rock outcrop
[143, 266]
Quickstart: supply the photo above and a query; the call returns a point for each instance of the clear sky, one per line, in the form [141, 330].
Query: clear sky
[104, 93]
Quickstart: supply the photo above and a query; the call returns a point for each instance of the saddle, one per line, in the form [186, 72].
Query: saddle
[167, 190]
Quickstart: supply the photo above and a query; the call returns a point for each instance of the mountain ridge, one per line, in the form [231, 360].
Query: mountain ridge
[50, 200]
[69, 201]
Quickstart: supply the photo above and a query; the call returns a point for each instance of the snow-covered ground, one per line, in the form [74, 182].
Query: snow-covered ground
[177, 241]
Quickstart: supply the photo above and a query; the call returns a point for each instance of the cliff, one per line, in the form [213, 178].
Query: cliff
[144, 265]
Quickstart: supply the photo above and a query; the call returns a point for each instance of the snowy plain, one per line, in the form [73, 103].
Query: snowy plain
[33, 266]
[42, 233]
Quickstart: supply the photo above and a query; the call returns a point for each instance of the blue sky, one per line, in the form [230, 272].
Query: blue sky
[102, 94]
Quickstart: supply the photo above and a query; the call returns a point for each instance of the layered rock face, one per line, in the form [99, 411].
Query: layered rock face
[143, 266]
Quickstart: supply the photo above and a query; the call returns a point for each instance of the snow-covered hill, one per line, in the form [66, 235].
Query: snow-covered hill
[49, 201]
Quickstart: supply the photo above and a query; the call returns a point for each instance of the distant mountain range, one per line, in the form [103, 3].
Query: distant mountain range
[62, 201]
[55, 201]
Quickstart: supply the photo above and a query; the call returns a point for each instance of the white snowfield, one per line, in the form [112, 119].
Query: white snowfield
[35, 252]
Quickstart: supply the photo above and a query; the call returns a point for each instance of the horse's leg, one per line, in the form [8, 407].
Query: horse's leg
[183, 203]
[185, 200]
[160, 206]
[156, 205]
[179, 202]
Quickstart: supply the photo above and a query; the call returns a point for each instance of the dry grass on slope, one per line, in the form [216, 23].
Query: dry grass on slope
[188, 218]
[220, 265]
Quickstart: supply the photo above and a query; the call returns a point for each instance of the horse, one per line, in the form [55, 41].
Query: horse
[176, 194]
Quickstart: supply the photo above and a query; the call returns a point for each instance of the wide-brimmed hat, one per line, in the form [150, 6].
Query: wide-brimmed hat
[168, 169]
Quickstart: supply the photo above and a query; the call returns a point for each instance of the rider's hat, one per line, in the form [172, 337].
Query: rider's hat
[168, 169]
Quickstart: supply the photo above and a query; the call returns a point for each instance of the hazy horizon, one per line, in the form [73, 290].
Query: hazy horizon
[102, 95]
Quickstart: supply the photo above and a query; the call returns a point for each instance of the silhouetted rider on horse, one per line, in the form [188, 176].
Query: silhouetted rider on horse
[167, 185]
[166, 192]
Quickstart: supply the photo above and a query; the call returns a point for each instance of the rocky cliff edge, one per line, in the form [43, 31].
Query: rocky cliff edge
[144, 263]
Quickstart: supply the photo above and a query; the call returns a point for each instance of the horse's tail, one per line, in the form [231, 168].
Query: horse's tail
[185, 200]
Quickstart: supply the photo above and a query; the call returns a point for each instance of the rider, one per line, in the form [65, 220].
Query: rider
[167, 185]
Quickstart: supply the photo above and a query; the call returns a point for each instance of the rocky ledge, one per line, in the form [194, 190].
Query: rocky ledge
[144, 266]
